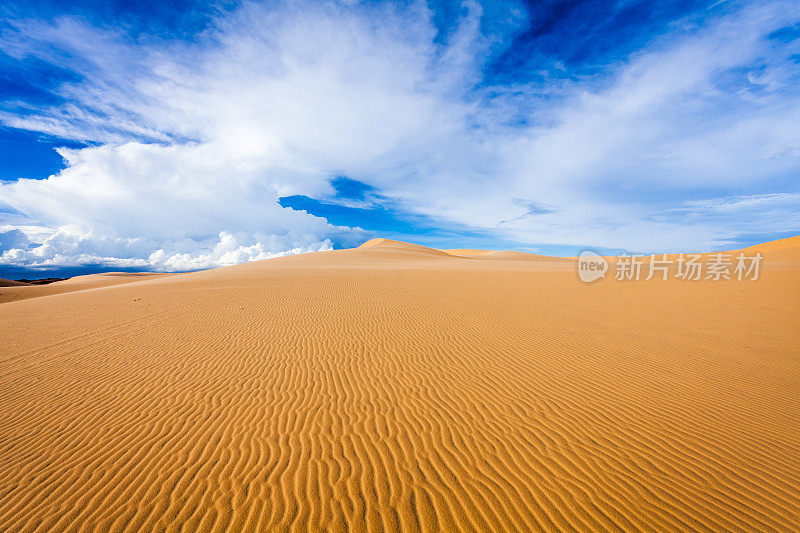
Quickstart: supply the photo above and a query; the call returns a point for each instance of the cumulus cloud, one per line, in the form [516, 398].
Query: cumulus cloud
[192, 143]
[71, 245]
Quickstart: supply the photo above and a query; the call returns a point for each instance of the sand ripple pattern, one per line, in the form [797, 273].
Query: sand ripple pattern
[374, 390]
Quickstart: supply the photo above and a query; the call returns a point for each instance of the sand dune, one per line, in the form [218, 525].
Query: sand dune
[78, 283]
[784, 250]
[396, 387]
[502, 254]
[12, 283]
[387, 245]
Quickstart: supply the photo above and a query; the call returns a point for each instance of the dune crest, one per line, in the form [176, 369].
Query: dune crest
[12, 283]
[789, 243]
[508, 255]
[781, 250]
[389, 245]
[25, 291]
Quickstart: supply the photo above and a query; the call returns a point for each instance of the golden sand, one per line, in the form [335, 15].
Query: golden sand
[15, 290]
[11, 283]
[395, 387]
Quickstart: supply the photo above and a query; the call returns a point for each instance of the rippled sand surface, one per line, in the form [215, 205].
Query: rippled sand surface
[394, 387]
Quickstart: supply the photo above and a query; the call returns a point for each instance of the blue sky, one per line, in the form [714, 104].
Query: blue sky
[183, 135]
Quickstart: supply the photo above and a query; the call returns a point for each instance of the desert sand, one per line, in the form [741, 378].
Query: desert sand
[11, 283]
[15, 290]
[396, 387]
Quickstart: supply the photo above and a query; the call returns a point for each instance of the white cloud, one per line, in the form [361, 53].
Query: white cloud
[741, 203]
[71, 245]
[199, 140]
